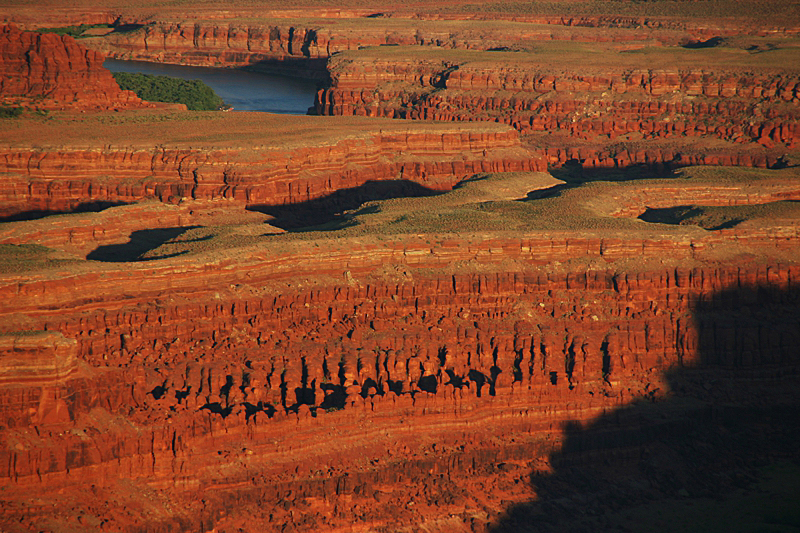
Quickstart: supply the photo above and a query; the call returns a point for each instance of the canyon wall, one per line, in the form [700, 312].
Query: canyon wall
[301, 47]
[63, 179]
[384, 379]
[299, 42]
[266, 373]
[47, 71]
[739, 106]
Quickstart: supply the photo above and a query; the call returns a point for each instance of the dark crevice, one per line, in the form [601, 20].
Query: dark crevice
[478, 378]
[181, 395]
[335, 397]
[395, 386]
[290, 41]
[517, 370]
[217, 409]
[371, 385]
[569, 362]
[226, 388]
[442, 356]
[493, 372]
[261, 407]
[428, 384]
[455, 380]
[310, 38]
[606, 369]
[159, 391]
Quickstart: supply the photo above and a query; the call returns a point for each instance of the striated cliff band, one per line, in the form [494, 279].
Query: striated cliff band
[563, 297]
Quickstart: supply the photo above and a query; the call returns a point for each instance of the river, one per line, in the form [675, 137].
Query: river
[245, 91]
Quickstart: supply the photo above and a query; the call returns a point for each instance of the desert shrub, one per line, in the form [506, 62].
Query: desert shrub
[194, 93]
[73, 31]
[10, 112]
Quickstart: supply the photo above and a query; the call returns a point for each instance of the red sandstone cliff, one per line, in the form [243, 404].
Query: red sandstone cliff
[47, 71]
[282, 37]
[62, 179]
[487, 356]
[404, 381]
[734, 105]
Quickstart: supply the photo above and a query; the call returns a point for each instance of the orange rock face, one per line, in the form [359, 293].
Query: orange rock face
[543, 358]
[732, 106]
[465, 361]
[47, 71]
[61, 180]
[43, 360]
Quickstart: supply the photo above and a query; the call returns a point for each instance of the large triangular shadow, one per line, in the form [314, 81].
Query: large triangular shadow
[140, 242]
[331, 212]
[721, 453]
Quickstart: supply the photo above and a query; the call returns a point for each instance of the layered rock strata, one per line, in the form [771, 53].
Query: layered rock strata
[739, 105]
[299, 41]
[301, 47]
[514, 349]
[47, 71]
[42, 382]
[61, 179]
[211, 381]
[384, 378]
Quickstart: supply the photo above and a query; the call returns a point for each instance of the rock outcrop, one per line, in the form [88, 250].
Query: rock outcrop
[737, 105]
[484, 345]
[299, 41]
[48, 71]
[259, 376]
[34, 368]
[57, 180]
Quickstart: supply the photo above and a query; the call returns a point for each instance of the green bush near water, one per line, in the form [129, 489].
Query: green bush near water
[73, 31]
[194, 93]
[10, 112]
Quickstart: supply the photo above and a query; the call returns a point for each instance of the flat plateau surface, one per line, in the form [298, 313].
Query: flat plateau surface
[206, 130]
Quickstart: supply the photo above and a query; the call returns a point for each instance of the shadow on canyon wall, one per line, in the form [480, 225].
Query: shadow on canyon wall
[307, 68]
[330, 212]
[719, 453]
[574, 173]
[85, 207]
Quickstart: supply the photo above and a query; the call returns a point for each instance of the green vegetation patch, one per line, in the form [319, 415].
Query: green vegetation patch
[194, 93]
[26, 257]
[74, 31]
[10, 112]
